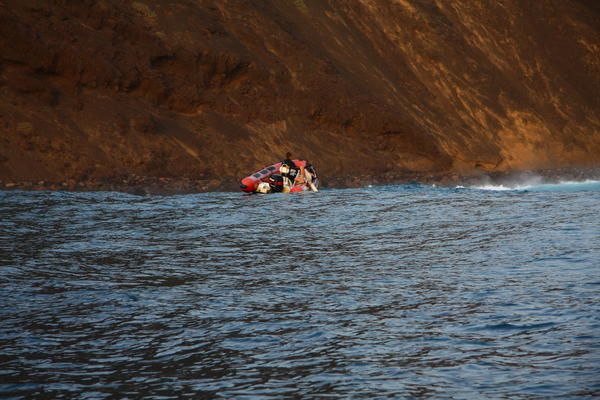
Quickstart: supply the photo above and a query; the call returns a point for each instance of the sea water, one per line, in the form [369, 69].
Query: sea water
[397, 291]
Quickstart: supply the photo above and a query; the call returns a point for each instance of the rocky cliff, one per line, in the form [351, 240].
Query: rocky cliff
[206, 91]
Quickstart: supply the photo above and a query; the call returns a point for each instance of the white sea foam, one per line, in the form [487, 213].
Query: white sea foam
[566, 186]
[501, 187]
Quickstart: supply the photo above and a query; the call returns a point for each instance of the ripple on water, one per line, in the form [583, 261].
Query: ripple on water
[402, 291]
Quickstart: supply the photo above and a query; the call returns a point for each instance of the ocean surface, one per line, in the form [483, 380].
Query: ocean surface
[396, 291]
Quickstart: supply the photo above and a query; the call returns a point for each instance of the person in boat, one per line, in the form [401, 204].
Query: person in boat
[276, 182]
[289, 170]
[310, 169]
[288, 160]
[310, 174]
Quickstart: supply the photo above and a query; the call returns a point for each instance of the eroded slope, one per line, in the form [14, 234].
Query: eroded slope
[211, 90]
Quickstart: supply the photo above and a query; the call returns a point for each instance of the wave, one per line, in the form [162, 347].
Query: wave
[562, 186]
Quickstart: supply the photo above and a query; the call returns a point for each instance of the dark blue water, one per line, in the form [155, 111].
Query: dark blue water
[400, 291]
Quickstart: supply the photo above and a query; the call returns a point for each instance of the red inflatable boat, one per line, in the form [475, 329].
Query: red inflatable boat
[250, 183]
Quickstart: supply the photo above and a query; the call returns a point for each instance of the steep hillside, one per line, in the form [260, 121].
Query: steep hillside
[196, 94]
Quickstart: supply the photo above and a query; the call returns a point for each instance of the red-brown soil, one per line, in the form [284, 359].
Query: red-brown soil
[194, 95]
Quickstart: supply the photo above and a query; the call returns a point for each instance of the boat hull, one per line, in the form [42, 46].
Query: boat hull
[250, 183]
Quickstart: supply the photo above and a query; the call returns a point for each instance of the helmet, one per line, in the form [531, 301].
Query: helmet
[284, 169]
[263, 187]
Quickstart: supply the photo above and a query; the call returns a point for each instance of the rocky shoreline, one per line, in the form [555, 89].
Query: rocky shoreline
[144, 185]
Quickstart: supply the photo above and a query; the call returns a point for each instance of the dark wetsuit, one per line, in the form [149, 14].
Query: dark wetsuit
[276, 183]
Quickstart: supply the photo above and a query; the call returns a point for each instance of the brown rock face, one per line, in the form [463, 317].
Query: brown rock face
[211, 90]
